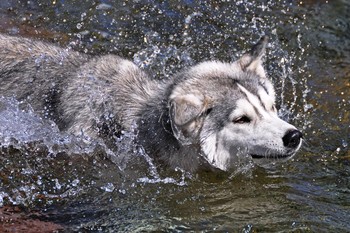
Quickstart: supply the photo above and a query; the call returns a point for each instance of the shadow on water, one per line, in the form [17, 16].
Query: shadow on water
[82, 186]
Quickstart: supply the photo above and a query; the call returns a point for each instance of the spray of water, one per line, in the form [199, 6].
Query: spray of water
[207, 32]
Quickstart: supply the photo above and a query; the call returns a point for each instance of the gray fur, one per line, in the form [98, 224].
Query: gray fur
[99, 95]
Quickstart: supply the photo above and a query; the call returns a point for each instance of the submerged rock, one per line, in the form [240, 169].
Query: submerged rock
[16, 219]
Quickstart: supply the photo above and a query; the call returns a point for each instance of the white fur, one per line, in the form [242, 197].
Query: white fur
[262, 136]
[254, 100]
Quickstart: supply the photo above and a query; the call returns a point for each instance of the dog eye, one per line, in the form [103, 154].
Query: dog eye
[242, 120]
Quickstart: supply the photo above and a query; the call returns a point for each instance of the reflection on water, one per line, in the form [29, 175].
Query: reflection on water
[81, 185]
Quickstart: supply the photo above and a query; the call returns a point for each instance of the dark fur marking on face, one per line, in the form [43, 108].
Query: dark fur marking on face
[262, 84]
[262, 103]
[255, 109]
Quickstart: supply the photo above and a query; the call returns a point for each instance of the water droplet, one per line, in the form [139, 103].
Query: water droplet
[57, 184]
[103, 6]
[109, 187]
[75, 182]
[79, 25]
[122, 191]
[39, 182]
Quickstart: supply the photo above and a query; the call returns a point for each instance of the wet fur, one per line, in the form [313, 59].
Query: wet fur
[178, 120]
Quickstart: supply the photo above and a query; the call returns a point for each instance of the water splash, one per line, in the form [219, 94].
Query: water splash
[155, 177]
[21, 124]
[30, 146]
[163, 61]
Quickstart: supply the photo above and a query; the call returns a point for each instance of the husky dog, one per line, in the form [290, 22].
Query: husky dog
[211, 113]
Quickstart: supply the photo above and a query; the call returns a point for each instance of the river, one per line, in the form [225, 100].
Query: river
[86, 188]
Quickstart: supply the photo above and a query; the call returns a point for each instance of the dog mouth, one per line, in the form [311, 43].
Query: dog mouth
[277, 156]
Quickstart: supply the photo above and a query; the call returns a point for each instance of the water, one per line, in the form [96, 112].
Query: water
[81, 185]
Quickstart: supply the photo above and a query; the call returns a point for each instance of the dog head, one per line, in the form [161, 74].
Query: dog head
[229, 110]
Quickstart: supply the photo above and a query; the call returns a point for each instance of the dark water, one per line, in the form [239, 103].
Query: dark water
[87, 188]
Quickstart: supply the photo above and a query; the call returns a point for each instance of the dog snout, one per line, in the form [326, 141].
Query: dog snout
[292, 138]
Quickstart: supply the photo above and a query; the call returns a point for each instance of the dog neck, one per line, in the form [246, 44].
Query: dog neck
[160, 143]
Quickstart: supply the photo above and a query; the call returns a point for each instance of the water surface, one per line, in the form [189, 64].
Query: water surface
[86, 187]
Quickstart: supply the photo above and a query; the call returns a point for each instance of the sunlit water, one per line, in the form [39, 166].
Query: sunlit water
[81, 184]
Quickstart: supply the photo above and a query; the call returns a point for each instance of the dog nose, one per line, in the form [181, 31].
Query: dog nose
[292, 138]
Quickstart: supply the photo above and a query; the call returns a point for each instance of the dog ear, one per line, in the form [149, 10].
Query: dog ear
[186, 117]
[252, 61]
